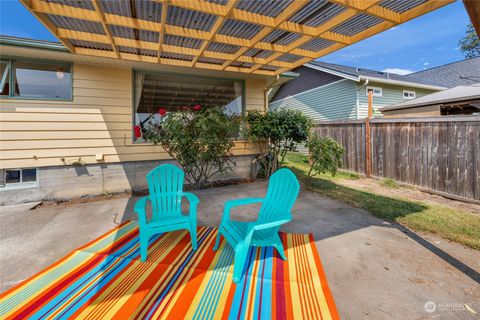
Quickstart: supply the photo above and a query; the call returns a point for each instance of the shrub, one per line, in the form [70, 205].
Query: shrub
[200, 140]
[277, 132]
[325, 155]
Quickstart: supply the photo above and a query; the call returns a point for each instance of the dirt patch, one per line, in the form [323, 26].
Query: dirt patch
[408, 193]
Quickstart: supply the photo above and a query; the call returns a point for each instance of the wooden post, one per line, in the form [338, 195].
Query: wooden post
[368, 145]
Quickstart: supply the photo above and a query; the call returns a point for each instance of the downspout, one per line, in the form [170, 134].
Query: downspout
[253, 164]
[267, 89]
[358, 102]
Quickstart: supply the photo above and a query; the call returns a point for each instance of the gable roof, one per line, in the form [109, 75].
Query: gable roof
[452, 95]
[464, 72]
[358, 74]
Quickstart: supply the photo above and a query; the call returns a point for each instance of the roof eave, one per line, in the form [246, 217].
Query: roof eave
[403, 83]
[427, 104]
[31, 43]
[334, 72]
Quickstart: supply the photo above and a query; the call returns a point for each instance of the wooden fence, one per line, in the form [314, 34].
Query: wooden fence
[441, 154]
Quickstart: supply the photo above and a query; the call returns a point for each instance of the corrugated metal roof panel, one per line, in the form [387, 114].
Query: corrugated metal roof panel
[269, 68]
[210, 60]
[258, 53]
[270, 8]
[281, 37]
[143, 52]
[143, 35]
[316, 12]
[241, 64]
[190, 19]
[84, 4]
[239, 29]
[316, 44]
[176, 56]
[357, 24]
[76, 24]
[141, 9]
[222, 47]
[401, 6]
[91, 45]
[182, 41]
[222, 2]
[288, 57]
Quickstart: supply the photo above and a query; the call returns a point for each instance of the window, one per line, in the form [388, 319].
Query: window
[35, 80]
[12, 178]
[377, 91]
[407, 94]
[156, 93]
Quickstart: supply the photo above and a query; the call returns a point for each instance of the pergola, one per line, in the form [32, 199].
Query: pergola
[261, 37]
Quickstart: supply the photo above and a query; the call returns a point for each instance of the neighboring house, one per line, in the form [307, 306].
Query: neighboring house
[328, 91]
[460, 100]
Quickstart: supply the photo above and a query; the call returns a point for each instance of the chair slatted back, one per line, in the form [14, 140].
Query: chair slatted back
[165, 184]
[283, 189]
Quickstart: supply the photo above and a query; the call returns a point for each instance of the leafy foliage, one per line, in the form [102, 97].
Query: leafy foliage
[201, 141]
[325, 155]
[470, 44]
[277, 132]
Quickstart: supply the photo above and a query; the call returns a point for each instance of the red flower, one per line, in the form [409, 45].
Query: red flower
[197, 107]
[137, 131]
[162, 111]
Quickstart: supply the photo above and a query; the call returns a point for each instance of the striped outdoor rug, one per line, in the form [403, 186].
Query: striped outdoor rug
[105, 279]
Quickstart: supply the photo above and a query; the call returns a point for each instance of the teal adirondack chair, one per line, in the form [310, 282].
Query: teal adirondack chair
[165, 184]
[282, 192]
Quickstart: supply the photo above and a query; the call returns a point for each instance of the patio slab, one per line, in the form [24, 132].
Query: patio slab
[376, 270]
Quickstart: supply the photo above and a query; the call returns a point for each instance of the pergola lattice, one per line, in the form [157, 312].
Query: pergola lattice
[253, 36]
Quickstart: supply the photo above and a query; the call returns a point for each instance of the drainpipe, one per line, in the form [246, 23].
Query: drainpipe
[358, 102]
[267, 89]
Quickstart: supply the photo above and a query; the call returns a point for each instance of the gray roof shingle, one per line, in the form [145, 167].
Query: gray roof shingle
[464, 72]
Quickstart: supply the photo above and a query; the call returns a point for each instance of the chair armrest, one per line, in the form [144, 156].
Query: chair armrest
[140, 209]
[192, 198]
[268, 225]
[238, 202]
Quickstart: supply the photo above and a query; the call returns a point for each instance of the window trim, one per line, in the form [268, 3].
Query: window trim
[373, 91]
[186, 75]
[11, 93]
[3, 80]
[21, 184]
[409, 91]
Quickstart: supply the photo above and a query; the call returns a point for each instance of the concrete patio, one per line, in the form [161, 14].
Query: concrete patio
[375, 270]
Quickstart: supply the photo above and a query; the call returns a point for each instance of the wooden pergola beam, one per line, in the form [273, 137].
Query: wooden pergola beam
[41, 9]
[473, 9]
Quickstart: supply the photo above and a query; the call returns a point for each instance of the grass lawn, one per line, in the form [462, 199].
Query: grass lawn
[455, 225]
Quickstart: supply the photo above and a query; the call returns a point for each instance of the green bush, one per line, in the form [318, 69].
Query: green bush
[201, 141]
[325, 155]
[277, 132]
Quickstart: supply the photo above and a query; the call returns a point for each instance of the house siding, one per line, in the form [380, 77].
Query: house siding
[38, 133]
[308, 79]
[333, 101]
[391, 95]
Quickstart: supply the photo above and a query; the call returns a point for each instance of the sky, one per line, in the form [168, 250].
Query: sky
[422, 43]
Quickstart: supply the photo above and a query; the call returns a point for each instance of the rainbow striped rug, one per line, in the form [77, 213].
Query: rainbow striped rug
[105, 279]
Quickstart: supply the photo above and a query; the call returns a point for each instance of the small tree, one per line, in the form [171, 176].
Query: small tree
[277, 132]
[201, 141]
[325, 155]
[470, 44]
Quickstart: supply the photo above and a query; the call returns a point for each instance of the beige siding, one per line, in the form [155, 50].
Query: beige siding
[36, 133]
[413, 112]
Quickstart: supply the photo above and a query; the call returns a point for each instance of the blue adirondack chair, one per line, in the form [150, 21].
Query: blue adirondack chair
[282, 192]
[165, 184]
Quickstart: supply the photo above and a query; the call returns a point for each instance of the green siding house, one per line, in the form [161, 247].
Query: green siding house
[327, 91]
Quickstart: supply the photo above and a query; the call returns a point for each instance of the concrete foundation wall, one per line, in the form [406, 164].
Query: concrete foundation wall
[68, 182]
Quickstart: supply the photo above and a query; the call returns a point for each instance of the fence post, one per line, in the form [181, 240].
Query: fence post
[368, 145]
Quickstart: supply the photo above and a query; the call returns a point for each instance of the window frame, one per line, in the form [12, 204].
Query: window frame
[11, 78]
[186, 75]
[18, 185]
[373, 91]
[409, 92]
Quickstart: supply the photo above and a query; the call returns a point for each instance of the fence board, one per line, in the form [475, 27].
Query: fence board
[441, 154]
